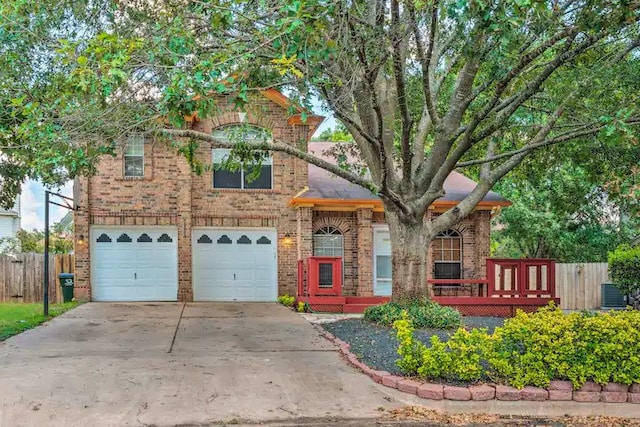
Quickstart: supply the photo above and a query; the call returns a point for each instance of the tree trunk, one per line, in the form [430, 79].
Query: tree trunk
[409, 246]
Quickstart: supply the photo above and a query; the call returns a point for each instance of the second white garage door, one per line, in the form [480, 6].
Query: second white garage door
[235, 265]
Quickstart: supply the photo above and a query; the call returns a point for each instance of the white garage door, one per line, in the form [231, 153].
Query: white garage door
[134, 264]
[235, 265]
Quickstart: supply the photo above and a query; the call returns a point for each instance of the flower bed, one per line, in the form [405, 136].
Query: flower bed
[545, 355]
[532, 349]
[556, 391]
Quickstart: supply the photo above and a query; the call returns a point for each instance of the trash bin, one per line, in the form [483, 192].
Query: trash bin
[66, 283]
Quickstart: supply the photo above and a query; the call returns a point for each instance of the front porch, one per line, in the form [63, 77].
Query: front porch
[509, 284]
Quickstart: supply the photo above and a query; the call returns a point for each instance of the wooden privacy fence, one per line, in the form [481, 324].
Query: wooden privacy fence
[578, 285]
[22, 277]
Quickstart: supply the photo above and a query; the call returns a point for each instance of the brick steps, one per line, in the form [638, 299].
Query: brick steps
[355, 308]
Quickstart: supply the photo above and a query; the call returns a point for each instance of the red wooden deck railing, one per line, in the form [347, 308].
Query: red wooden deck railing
[510, 284]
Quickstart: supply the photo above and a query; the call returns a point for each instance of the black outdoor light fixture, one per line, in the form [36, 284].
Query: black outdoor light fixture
[47, 200]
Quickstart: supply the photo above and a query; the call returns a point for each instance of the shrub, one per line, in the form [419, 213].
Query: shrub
[409, 349]
[532, 349]
[287, 300]
[624, 267]
[422, 314]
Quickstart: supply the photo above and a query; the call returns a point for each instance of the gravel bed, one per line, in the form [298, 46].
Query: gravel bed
[377, 345]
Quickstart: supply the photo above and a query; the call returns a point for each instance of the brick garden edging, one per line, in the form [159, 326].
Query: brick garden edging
[557, 390]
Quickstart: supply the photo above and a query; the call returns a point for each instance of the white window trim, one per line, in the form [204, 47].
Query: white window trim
[133, 156]
[267, 161]
[377, 228]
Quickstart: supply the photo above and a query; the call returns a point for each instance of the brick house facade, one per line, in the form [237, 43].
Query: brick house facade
[125, 218]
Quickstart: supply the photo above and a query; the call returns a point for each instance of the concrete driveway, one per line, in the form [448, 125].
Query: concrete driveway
[169, 363]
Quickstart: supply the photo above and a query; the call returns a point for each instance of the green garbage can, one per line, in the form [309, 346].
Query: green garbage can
[66, 283]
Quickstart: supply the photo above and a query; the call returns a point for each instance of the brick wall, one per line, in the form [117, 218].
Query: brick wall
[357, 229]
[169, 194]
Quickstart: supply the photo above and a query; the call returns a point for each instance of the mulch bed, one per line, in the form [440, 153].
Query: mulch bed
[377, 345]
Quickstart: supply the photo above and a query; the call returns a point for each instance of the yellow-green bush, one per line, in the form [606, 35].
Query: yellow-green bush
[287, 300]
[533, 349]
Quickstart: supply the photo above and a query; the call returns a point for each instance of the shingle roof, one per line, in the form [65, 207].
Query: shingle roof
[325, 185]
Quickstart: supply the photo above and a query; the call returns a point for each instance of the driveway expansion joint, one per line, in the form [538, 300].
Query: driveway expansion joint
[175, 333]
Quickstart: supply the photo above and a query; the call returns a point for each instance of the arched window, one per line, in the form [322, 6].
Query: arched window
[328, 241]
[242, 178]
[447, 255]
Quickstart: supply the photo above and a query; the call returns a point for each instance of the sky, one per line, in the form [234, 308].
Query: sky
[32, 205]
[32, 198]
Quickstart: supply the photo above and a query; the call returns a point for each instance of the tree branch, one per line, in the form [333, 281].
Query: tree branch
[399, 77]
[275, 146]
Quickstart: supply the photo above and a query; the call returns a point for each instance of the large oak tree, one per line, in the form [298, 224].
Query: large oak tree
[425, 87]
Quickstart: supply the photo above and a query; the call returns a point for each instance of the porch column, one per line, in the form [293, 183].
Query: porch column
[483, 241]
[184, 203]
[305, 232]
[365, 251]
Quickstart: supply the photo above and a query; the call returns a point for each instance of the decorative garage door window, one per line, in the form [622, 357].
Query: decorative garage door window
[227, 175]
[328, 241]
[447, 255]
[103, 238]
[144, 238]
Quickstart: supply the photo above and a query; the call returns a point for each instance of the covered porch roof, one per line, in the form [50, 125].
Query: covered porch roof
[330, 192]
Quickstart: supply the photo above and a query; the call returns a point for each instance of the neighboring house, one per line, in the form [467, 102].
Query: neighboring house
[10, 220]
[156, 231]
[65, 225]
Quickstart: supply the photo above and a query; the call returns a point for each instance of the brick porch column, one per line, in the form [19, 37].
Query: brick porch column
[365, 252]
[483, 241]
[305, 232]
[82, 287]
[184, 184]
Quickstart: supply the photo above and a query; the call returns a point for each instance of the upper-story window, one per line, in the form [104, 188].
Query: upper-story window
[134, 156]
[241, 178]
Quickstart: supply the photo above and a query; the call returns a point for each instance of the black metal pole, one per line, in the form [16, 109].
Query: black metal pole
[46, 253]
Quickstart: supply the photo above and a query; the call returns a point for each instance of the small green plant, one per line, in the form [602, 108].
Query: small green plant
[302, 307]
[421, 313]
[409, 349]
[287, 300]
[624, 267]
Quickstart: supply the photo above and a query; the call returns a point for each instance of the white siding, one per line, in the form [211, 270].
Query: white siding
[7, 226]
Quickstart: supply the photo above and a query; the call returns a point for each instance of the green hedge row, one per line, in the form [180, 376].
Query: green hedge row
[532, 349]
[421, 313]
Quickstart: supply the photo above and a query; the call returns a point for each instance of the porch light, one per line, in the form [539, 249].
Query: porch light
[287, 240]
[81, 240]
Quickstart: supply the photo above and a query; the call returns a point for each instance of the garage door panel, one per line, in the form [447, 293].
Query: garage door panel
[245, 271]
[142, 266]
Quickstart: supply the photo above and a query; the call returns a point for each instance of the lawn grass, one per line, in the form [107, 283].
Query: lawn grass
[17, 318]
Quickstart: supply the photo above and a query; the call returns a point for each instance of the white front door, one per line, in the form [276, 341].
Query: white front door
[381, 262]
[134, 264]
[235, 264]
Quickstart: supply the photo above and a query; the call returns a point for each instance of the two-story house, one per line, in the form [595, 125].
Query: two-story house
[152, 230]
